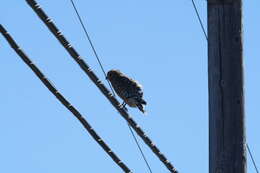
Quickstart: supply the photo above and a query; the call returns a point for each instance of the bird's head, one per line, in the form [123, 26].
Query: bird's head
[112, 74]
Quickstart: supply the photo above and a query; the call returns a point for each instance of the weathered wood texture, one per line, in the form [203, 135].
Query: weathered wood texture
[227, 151]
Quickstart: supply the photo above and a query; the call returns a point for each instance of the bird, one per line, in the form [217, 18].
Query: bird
[129, 90]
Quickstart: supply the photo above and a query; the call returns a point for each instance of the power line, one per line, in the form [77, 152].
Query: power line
[200, 21]
[140, 149]
[101, 66]
[91, 44]
[84, 66]
[252, 158]
[63, 100]
[203, 29]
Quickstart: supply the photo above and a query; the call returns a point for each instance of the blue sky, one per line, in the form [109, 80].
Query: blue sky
[158, 43]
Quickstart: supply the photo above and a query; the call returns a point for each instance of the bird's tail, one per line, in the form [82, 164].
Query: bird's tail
[141, 101]
[141, 107]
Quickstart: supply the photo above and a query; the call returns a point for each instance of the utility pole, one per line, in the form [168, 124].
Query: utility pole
[227, 143]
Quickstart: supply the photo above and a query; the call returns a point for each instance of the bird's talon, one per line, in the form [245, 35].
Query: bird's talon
[123, 106]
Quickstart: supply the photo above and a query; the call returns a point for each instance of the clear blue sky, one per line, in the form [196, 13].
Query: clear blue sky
[159, 43]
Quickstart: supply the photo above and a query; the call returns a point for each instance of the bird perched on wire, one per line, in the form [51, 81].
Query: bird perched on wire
[127, 89]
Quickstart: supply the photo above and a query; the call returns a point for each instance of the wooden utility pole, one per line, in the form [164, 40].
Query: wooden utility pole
[227, 144]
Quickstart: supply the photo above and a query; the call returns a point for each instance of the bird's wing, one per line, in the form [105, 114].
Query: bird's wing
[132, 86]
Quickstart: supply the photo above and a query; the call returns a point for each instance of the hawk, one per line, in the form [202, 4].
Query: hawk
[127, 89]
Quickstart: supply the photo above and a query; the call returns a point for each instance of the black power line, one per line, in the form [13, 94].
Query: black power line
[201, 24]
[103, 69]
[91, 44]
[63, 100]
[99, 84]
[252, 158]
[140, 149]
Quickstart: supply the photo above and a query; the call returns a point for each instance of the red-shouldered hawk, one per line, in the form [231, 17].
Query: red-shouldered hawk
[127, 89]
